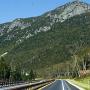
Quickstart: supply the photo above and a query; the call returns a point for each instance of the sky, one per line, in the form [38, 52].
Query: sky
[12, 9]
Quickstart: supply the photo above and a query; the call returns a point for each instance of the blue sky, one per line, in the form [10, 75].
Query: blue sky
[12, 9]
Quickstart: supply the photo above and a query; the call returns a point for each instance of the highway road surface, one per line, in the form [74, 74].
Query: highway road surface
[60, 85]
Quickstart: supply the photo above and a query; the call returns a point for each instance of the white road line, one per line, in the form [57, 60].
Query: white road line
[62, 85]
[67, 86]
[75, 85]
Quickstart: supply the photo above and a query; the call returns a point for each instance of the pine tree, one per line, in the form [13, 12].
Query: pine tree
[31, 75]
[4, 69]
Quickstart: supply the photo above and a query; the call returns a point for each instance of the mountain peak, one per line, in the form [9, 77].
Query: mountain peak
[70, 9]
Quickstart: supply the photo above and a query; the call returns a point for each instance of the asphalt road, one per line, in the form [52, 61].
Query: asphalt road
[60, 85]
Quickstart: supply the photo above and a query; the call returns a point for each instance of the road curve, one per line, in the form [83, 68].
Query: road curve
[60, 85]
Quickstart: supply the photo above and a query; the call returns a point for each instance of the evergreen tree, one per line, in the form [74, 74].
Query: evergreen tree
[4, 69]
[16, 74]
[31, 75]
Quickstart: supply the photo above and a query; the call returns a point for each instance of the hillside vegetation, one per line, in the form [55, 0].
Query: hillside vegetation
[54, 46]
[58, 39]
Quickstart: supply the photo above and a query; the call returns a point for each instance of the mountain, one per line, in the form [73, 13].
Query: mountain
[49, 39]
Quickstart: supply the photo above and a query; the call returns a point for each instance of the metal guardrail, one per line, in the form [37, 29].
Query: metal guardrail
[26, 86]
[8, 83]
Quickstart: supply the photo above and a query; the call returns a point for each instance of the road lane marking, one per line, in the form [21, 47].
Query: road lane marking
[67, 85]
[62, 85]
[75, 85]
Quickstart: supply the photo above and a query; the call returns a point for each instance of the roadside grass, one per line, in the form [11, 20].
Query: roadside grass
[83, 82]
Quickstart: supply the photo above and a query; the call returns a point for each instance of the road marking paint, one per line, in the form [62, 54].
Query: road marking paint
[67, 85]
[75, 85]
[62, 85]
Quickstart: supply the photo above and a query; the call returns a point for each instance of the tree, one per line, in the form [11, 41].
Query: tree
[76, 66]
[31, 75]
[4, 69]
[16, 74]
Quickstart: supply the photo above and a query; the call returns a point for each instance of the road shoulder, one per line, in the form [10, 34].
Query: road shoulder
[74, 84]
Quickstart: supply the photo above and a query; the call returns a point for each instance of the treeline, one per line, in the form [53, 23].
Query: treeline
[14, 73]
[79, 62]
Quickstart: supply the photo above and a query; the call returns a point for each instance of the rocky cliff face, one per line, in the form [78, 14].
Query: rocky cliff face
[21, 29]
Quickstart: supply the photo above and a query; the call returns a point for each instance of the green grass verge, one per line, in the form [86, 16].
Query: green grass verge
[83, 82]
